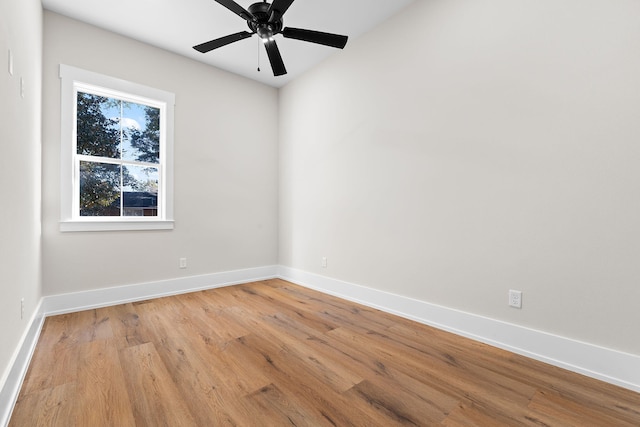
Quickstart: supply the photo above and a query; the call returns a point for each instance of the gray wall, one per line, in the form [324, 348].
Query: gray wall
[467, 148]
[226, 179]
[20, 141]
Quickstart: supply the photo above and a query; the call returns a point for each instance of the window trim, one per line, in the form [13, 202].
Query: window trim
[72, 79]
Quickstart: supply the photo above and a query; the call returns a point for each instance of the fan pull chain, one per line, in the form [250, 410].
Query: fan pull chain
[258, 54]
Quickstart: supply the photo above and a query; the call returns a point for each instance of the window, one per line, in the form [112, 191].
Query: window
[116, 151]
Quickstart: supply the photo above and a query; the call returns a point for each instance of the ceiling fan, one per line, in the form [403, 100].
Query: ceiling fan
[265, 20]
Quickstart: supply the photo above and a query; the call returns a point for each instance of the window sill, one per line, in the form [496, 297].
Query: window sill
[130, 225]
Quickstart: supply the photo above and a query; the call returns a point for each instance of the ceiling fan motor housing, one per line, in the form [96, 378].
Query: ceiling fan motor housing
[263, 23]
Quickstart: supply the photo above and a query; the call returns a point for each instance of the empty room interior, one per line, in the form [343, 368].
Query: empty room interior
[438, 224]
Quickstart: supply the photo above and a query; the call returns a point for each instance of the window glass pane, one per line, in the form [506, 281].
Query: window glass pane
[98, 126]
[140, 191]
[142, 130]
[99, 189]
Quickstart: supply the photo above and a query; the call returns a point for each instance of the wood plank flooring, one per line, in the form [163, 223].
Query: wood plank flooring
[272, 353]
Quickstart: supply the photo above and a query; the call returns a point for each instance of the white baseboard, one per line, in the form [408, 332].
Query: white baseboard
[19, 365]
[86, 300]
[604, 364]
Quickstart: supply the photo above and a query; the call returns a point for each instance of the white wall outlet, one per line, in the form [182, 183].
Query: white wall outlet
[515, 298]
[22, 87]
[183, 263]
[21, 308]
[324, 262]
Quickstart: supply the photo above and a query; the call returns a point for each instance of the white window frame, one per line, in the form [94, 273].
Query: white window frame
[75, 79]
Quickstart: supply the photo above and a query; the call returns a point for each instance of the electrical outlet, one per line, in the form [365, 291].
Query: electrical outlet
[515, 298]
[183, 263]
[324, 262]
[10, 63]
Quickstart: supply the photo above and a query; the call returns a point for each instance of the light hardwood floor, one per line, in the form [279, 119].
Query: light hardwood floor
[275, 354]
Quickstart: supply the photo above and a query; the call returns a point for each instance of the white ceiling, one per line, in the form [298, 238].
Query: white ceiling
[178, 25]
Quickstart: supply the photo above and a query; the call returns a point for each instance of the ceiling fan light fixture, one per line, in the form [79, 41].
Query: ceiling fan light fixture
[265, 32]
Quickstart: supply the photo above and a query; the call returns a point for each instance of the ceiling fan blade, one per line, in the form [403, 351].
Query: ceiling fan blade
[277, 65]
[236, 8]
[222, 41]
[327, 39]
[280, 5]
